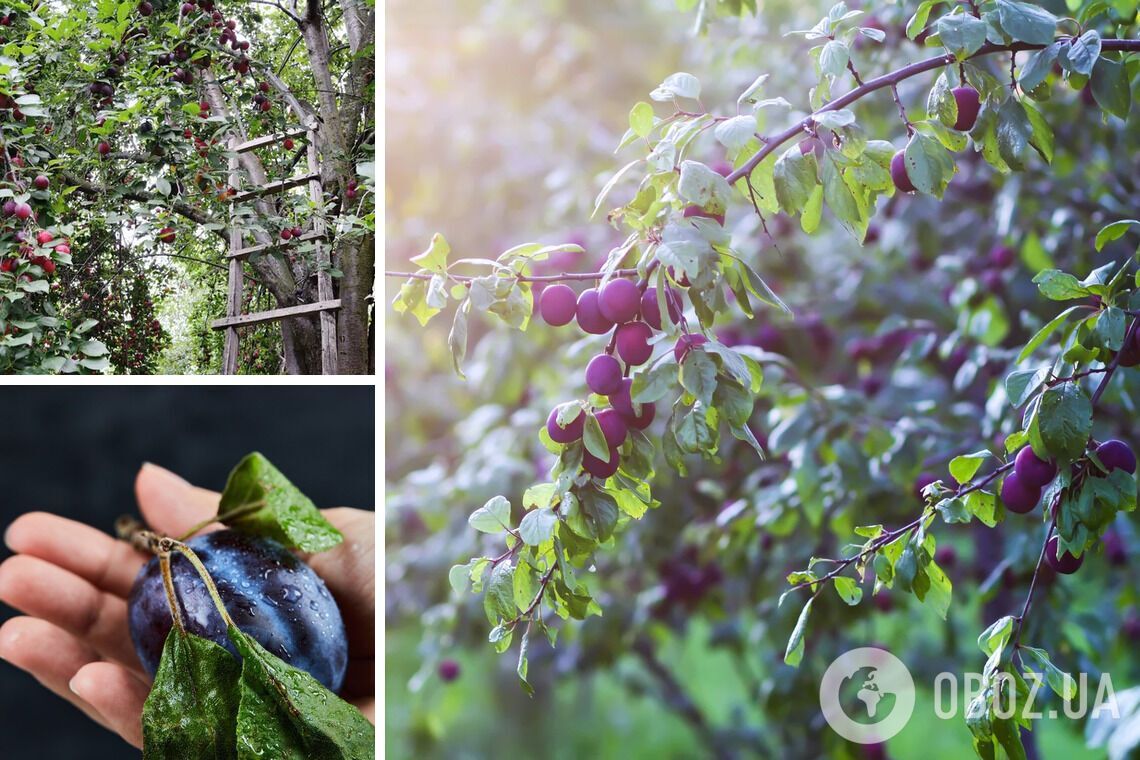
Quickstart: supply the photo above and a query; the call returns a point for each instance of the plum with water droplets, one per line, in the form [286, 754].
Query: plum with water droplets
[271, 595]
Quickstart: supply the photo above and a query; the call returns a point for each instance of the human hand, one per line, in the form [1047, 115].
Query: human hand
[72, 582]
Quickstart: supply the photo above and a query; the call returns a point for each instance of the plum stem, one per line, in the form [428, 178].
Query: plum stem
[203, 573]
[223, 516]
[168, 585]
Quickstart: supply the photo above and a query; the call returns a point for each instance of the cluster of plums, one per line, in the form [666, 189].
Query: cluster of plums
[633, 316]
[1021, 489]
[968, 106]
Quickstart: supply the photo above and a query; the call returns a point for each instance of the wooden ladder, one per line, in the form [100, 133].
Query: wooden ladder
[326, 305]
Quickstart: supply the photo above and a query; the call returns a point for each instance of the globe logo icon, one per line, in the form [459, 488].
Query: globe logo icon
[867, 695]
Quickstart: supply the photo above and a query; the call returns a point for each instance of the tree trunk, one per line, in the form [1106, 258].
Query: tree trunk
[354, 347]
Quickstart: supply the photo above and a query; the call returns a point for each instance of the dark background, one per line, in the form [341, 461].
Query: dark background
[75, 451]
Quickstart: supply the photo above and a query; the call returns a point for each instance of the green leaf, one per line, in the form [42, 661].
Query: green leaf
[594, 439]
[1037, 67]
[941, 103]
[794, 177]
[698, 375]
[917, 22]
[1065, 421]
[833, 58]
[1020, 385]
[412, 298]
[1113, 231]
[1027, 23]
[1008, 734]
[964, 467]
[612, 183]
[1062, 684]
[929, 165]
[435, 257]
[285, 713]
[701, 186]
[641, 119]
[736, 133]
[190, 711]
[537, 526]
[492, 517]
[996, 636]
[1043, 334]
[983, 505]
[848, 590]
[258, 499]
[961, 33]
[1080, 54]
[679, 85]
[1060, 286]
[939, 594]
[653, 384]
[499, 599]
[1110, 87]
[795, 650]
[457, 338]
[1014, 131]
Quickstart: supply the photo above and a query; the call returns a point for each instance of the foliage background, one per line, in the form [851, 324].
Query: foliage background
[491, 158]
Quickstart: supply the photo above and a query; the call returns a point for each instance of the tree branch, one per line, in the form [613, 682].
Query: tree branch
[891, 80]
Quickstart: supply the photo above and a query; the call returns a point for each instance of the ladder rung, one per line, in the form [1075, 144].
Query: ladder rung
[274, 187]
[242, 253]
[261, 142]
[274, 314]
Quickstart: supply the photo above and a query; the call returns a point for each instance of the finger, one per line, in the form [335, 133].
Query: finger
[116, 694]
[51, 655]
[107, 563]
[349, 571]
[169, 504]
[42, 590]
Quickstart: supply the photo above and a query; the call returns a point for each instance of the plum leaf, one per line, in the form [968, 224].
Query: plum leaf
[190, 710]
[258, 499]
[285, 713]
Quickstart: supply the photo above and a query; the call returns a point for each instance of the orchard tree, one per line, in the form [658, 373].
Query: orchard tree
[742, 411]
[125, 112]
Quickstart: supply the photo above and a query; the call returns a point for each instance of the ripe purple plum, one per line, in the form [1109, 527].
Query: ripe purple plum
[590, 317]
[613, 425]
[685, 344]
[968, 106]
[1002, 256]
[597, 467]
[568, 434]
[603, 375]
[1031, 470]
[620, 300]
[651, 310]
[633, 343]
[558, 305]
[1116, 455]
[271, 595]
[898, 173]
[1017, 495]
[448, 670]
[1066, 564]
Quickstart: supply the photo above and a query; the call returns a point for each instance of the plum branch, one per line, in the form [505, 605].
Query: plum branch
[891, 80]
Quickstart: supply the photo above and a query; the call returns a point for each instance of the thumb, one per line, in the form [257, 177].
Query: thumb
[169, 504]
